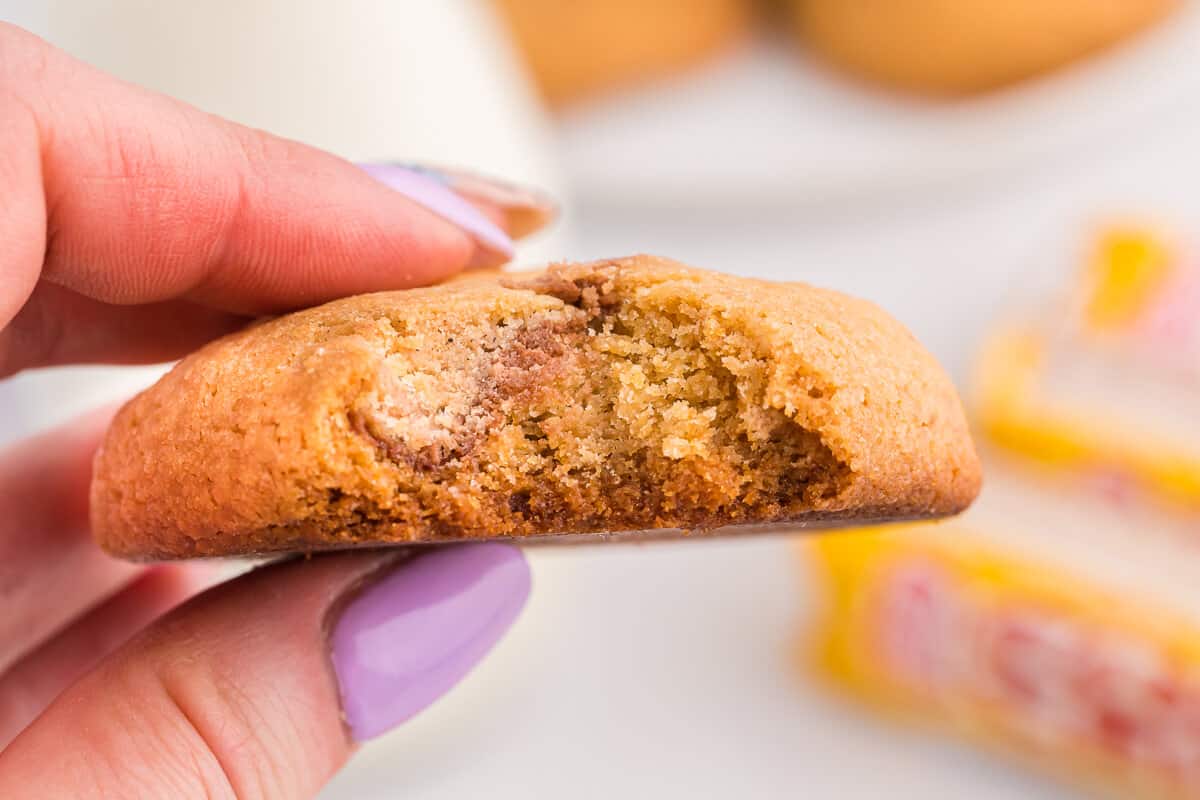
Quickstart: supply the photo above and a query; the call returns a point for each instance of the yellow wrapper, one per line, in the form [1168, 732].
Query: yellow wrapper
[934, 625]
[1066, 431]
[1060, 619]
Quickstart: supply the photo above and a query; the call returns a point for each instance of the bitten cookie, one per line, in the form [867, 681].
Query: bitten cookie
[618, 395]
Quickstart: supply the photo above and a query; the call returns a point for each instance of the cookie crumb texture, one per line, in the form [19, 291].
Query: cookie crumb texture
[618, 395]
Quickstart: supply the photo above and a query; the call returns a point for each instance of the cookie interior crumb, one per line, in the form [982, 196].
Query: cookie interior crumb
[608, 412]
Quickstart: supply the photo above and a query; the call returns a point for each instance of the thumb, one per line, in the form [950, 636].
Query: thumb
[260, 688]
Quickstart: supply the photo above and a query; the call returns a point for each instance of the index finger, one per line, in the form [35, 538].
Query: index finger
[126, 196]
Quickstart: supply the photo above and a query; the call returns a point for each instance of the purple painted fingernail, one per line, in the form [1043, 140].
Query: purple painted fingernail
[526, 209]
[410, 636]
[438, 197]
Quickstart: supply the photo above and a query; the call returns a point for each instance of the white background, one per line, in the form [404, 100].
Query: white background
[664, 670]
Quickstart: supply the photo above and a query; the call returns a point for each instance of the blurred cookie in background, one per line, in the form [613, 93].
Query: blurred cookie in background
[581, 48]
[960, 47]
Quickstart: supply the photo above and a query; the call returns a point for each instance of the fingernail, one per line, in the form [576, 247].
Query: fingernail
[526, 209]
[412, 634]
[436, 196]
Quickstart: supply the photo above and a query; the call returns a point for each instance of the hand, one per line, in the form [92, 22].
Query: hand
[133, 228]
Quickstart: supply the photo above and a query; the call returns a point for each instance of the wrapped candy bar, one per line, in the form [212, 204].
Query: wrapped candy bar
[1059, 620]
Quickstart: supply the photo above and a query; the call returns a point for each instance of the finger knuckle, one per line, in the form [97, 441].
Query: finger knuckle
[139, 745]
[236, 747]
[263, 155]
[252, 159]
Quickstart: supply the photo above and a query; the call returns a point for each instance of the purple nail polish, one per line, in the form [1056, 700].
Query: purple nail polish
[414, 633]
[437, 197]
[526, 209]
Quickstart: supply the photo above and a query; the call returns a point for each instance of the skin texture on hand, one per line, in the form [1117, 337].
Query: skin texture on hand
[134, 228]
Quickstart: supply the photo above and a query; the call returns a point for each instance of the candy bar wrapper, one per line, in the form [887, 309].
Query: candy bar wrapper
[1102, 386]
[1058, 621]
[1052, 635]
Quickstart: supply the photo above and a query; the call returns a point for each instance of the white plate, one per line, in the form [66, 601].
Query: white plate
[793, 133]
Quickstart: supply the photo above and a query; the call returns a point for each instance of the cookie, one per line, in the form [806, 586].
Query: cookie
[954, 48]
[583, 47]
[619, 395]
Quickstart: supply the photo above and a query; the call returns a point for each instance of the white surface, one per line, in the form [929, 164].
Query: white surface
[663, 671]
[766, 128]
